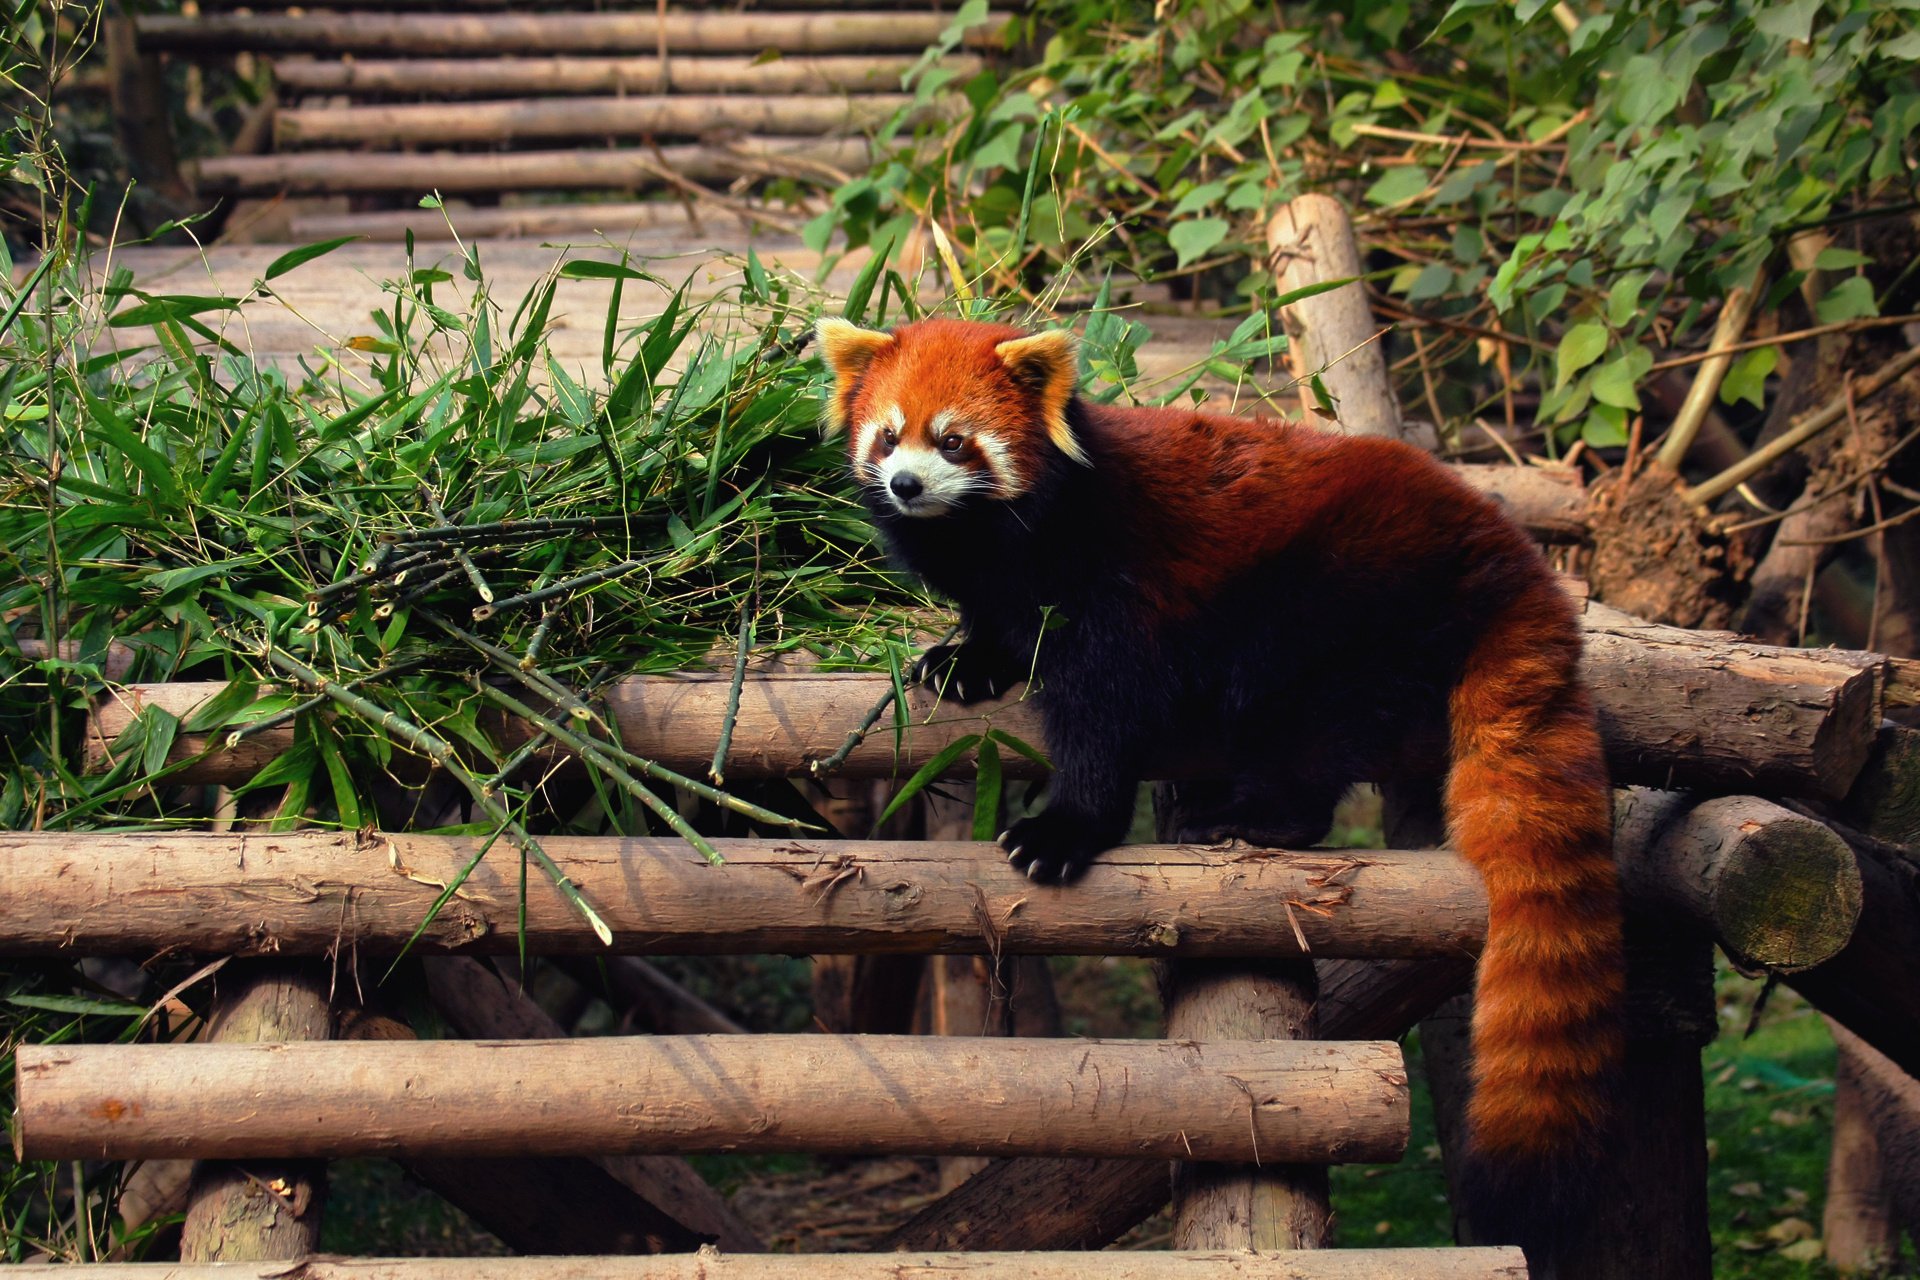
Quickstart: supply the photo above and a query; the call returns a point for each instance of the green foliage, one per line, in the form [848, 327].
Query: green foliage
[1587, 179]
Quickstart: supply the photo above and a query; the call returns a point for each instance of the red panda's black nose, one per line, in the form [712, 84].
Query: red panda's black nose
[906, 486]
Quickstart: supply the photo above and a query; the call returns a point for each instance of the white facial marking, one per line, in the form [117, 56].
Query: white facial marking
[934, 483]
[869, 431]
[999, 461]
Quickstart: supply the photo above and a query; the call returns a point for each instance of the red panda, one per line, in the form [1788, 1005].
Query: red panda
[1308, 610]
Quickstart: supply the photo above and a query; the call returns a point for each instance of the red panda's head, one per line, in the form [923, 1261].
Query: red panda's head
[943, 411]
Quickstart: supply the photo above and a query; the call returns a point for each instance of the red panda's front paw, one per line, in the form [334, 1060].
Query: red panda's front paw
[963, 672]
[1050, 846]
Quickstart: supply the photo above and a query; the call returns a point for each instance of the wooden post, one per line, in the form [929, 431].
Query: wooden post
[260, 1209]
[1267, 1205]
[1858, 1225]
[1333, 335]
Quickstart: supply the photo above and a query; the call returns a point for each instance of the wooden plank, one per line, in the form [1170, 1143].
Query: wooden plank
[330, 172]
[307, 893]
[681, 115]
[527, 77]
[851, 1095]
[1342, 1264]
[595, 33]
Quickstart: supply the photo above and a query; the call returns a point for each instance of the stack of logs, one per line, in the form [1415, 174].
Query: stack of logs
[1076, 1160]
[465, 97]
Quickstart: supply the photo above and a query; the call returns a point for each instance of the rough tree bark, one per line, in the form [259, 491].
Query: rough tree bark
[243, 1210]
[832, 1095]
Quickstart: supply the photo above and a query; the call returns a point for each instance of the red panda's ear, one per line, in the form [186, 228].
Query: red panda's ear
[1047, 364]
[848, 350]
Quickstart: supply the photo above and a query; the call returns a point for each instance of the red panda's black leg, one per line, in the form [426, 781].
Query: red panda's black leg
[969, 672]
[1098, 709]
[1272, 811]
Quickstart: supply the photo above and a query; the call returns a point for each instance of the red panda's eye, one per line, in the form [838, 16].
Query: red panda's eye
[891, 436]
[952, 443]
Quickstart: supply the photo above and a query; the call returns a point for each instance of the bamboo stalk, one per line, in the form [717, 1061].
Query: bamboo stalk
[441, 753]
[1806, 429]
[597, 33]
[1727, 329]
[717, 771]
[533, 77]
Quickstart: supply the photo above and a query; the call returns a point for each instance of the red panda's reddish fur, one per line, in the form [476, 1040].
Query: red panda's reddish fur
[1193, 508]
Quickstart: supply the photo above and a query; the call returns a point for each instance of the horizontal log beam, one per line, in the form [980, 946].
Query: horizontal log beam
[308, 893]
[1329, 1264]
[683, 115]
[1774, 888]
[1866, 986]
[518, 77]
[623, 219]
[323, 172]
[594, 33]
[1236, 1101]
[1677, 708]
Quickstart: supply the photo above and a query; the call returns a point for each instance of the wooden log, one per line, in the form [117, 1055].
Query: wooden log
[1549, 502]
[563, 1205]
[842, 1095]
[445, 78]
[306, 893]
[1857, 1224]
[1333, 334]
[327, 172]
[1677, 708]
[684, 1208]
[1707, 709]
[619, 220]
[1341, 1264]
[1885, 800]
[264, 1208]
[1271, 1206]
[1776, 889]
[1854, 986]
[593, 33]
[1037, 1202]
[689, 115]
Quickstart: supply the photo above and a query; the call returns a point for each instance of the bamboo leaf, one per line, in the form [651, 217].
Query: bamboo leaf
[304, 254]
[929, 771]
